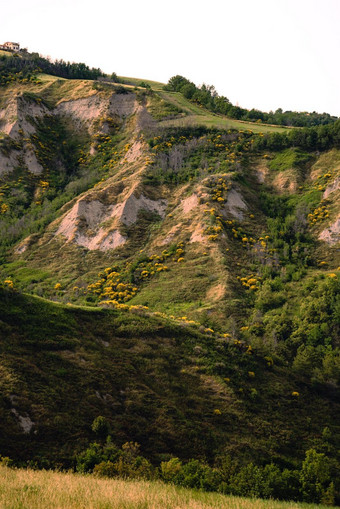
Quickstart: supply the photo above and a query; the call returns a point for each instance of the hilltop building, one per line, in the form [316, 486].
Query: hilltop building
[11, 46]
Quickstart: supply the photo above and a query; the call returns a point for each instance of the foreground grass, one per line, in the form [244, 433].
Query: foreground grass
[29, 489]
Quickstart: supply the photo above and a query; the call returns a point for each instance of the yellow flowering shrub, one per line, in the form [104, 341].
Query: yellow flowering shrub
[8, 283]
[319, 214]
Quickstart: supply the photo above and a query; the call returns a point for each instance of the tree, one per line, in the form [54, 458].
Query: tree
[177, 82]
[188, 90]
[114, 77]
[100, 427]
[316, 478]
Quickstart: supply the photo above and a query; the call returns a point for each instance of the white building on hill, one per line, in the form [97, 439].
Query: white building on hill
[12, 46]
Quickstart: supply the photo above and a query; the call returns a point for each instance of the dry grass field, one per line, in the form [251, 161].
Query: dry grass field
[29, 489]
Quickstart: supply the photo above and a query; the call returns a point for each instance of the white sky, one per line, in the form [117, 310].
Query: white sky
[264, 54]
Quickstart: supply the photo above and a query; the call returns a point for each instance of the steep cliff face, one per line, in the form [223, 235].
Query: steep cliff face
[87, 110]
[17, 121]
[21, 114]
[95, 219]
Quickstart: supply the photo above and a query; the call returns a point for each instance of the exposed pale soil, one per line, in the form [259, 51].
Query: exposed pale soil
[235, 204]
[189, 203]
[216, 292]
[84, 110]
[262, 172]
[32, 163]
[286, 181]
[7, 164]
[331, 235]
[88, 109]
[84, 223]
[134, 152]
[198, 235]
[20, 113]
[334, 186]
[25, 423]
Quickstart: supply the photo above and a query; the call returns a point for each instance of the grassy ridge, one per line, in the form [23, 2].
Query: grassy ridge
[197, 115]
[46, 489]
[201, 116]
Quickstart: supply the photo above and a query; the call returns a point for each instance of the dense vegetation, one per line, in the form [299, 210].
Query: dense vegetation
[312, 482]
[313, 138]
[183, 154]
[25, 65]
[281, 316]
[207, 96]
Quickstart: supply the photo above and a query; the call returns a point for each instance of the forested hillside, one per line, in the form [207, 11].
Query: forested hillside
[169, 276]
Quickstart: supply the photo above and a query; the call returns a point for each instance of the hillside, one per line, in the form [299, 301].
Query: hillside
[63, 366]
[168, 268]
[89, 171]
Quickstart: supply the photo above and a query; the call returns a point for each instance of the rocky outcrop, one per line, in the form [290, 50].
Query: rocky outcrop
[86, 110]
[95, 225]
[235, 204]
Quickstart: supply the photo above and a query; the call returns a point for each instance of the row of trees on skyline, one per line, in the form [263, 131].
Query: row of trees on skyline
[207, 96]
[29, 63]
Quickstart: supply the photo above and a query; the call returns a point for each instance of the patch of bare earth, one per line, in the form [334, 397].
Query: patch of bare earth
[134, 152]
[331, 235]
[18, 117]
[262, 172]
[216, 292]
[95, 219]
[198, 235]
[334, 186]
[286, 181]
[7, 164]
[235, 204]
[32, 163]
[189, 203]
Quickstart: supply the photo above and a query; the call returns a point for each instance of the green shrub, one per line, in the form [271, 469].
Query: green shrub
[132, 465]
[290, 158]
[307, 359]
[171, 471]
[200, 476]
[96, 454]
[100, 427]
[316, 478]
[105, 469]
[87, 460]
